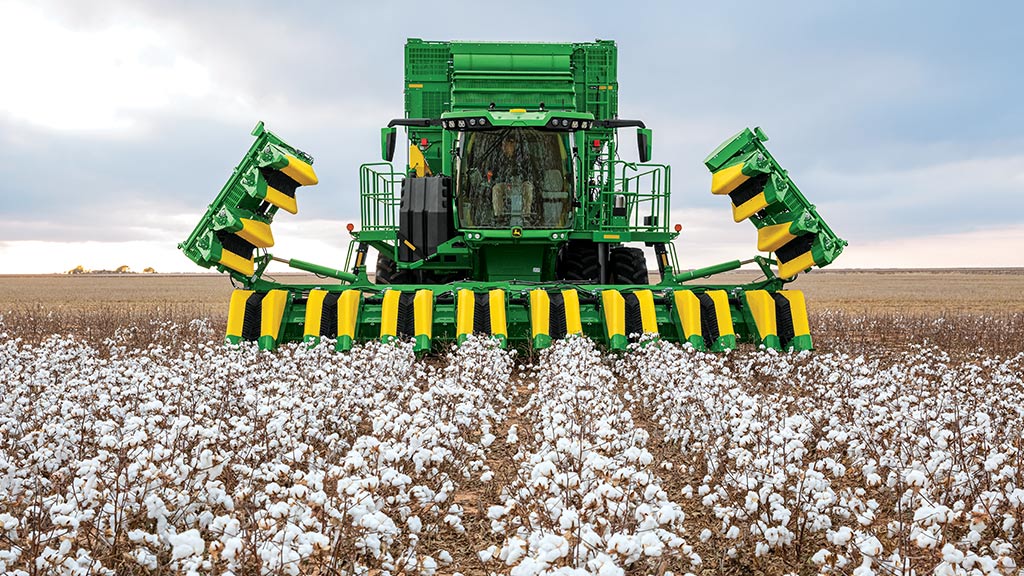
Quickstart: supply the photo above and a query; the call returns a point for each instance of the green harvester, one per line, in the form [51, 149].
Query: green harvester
[514, 218]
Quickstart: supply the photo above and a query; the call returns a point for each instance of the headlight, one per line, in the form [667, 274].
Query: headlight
[483, 121]
[472, 121]
[554, 121]
[462, 123]
[575, 124]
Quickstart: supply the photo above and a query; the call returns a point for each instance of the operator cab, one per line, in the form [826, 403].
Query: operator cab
[514, 177]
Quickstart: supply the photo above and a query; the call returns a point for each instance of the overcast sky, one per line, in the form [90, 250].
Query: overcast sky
[121, 120]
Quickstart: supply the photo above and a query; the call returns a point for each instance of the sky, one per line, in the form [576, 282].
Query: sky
[120, 120]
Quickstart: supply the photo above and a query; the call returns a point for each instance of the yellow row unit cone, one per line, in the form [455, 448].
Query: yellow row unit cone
[332, 315]
[408, 314]
[256, 316]
[553, 316]
[705, 319]
[627, 315]
[778, 319]
[481, 313]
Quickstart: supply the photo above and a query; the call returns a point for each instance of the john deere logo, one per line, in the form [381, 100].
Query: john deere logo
[517, 232]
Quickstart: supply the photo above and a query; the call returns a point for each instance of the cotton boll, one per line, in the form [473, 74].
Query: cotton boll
[186, 544]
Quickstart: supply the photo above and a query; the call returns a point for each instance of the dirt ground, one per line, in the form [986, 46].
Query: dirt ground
[988, 291]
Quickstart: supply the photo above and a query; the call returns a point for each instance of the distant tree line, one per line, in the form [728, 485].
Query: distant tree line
[119, 270]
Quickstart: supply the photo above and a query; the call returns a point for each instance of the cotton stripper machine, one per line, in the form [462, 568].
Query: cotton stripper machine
[514, 218]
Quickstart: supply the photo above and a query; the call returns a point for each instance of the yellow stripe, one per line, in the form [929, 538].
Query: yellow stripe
[348, 312]
[614, 307]
[236, 312]
[273, 312]
[798, 306]
[648, 320]
[749, 208]
[722, 313]
[423, 313]
[762, 308]
[410, 245]
[728, 179]
[464, 312]
[300, 171]
[771, 238]
[359, 259]
[237, 263]
[517, 110]
[415, 85]
[256, 233]
[611, 236]
[497, 302]
[314, 312]
[540, 313]
[688, 309]
[796, 265]
[281, 200]
[572, 312]
[389, 314]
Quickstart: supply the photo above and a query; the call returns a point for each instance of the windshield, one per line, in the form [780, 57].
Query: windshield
[514, 177]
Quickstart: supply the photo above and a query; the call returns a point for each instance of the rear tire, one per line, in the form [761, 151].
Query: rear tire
[577, 262]
[628, 266]
[388, 272]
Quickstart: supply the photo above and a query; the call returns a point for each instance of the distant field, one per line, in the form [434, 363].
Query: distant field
[918, 292]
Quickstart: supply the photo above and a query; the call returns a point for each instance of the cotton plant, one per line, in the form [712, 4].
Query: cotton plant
[157, 448]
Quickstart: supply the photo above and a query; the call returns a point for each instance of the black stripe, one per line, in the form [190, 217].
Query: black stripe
[406, 315]
[795, 247]
[708, 320]
[329, 315]
[556, 316]
[750, 188]
[783, 319]
[279, 181]
[481, 313]
[252, 320]
[634, 318]
[235, 244]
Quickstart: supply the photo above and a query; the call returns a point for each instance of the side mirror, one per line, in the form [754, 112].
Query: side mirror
[387, 143]
[643, 144]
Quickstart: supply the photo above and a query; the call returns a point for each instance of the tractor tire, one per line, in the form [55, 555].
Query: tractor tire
[388, 272]
[577, 262]
[628, 266]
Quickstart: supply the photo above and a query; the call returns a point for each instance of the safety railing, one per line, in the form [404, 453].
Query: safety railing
[379, 196]
[642, 191]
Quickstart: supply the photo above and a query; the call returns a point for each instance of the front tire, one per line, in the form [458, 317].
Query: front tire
[628, 266]
[577, 262]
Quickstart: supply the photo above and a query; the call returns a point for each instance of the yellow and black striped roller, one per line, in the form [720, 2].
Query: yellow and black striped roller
[705, 319]
[408, 314]
[750, 185]
[234, 237]
[332, 315]
[481, 313]
[276, 177]
[553, 316]
[627, 315]
[256, 316]
[779, 319]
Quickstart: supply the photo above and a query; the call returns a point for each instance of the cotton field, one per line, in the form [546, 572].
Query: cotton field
[159, 450]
